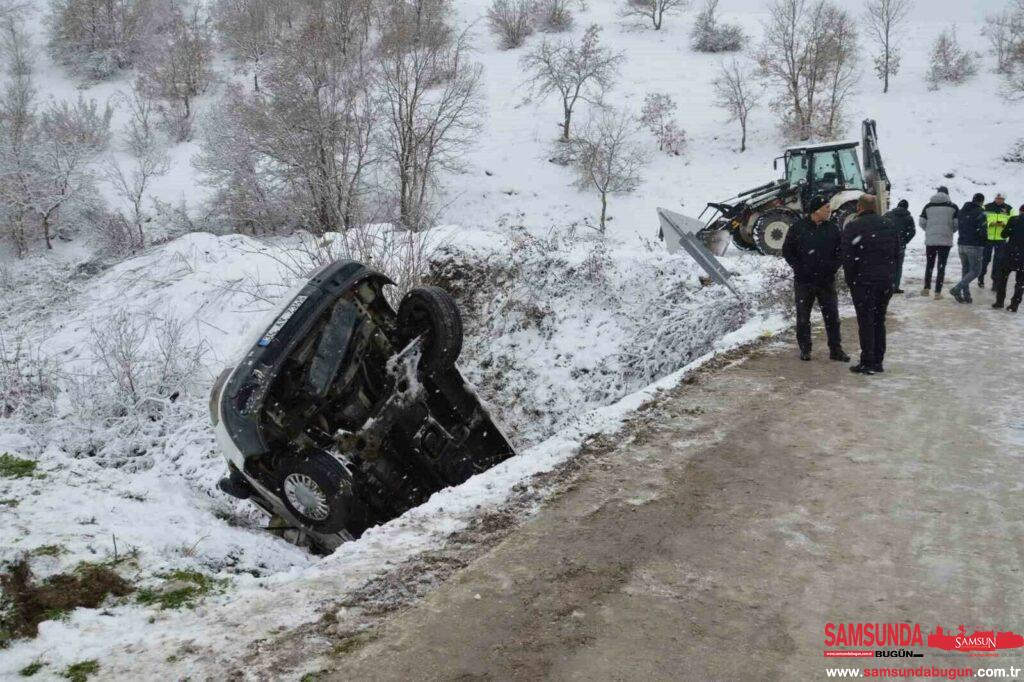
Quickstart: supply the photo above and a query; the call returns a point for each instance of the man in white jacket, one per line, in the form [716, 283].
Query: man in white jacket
[938, 220]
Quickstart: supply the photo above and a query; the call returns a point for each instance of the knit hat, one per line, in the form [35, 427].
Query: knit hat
[903, 203]
[942, 189]
[815, 203]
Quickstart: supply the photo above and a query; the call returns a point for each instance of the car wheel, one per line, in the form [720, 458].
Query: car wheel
[318, 490]
[771, 229]
[845, 213]
[431, 313]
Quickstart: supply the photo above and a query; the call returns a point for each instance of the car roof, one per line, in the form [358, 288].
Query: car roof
[824, 146]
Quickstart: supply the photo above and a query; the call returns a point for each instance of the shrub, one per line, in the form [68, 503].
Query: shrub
[511, 21]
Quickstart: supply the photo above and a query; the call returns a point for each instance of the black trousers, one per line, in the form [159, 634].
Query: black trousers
[935, 255]
[1001, 282]
[1000, 271]
[806, 293]
[871, 301]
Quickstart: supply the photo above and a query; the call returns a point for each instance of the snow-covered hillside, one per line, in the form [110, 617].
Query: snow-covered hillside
[566, 333]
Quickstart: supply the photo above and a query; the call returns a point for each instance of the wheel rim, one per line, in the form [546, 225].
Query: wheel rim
[306, 497]
[775, 234]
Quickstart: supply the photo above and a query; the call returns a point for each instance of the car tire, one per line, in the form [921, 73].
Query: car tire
[431, 313]
[771, 228]
[844, 214]
[318, 491]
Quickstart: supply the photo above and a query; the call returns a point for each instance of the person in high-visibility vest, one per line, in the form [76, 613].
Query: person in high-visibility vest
[997, 213]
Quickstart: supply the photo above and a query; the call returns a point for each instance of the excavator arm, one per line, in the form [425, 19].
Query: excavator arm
[874, 169]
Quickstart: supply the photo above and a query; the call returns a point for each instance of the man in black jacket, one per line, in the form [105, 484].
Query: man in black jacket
[904, 222]
[972, 226]
[1013, 261]
[812, 250]
[869, 248]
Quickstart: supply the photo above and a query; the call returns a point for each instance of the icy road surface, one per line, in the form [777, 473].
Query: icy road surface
[768, 499]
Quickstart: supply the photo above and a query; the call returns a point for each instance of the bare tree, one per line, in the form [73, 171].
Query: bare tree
[809, 53]
[250, 29]
[1005, 32]
[133, 183]
[737, 93]
[885, 19]
[431, 100]
[655, 10]
[606, 158]
[708, 35]
[658, 116]
[96, 38]
[949, 62]
[297, 153]
[177, 67]
[511, 21]
[554, 16]
[576, 71]
[19, 131]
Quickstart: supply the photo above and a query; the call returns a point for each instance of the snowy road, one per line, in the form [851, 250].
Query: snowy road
[770, 498]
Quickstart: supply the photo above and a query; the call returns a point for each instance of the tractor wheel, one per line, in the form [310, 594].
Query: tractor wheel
[844, 214]
[771, 229]
[741, 241]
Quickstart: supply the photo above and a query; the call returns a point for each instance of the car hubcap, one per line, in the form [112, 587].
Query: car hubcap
[306, 496]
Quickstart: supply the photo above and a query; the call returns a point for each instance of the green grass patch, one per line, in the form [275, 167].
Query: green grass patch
[180, 589]
[47, 550]
[16, 467]
[31, 669]
[81, 671]
[9, 502]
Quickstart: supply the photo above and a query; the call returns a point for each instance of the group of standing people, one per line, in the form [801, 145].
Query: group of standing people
[989, 234]
[871, 249]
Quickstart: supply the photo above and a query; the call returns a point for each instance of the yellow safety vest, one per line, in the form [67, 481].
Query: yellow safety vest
[996, 222]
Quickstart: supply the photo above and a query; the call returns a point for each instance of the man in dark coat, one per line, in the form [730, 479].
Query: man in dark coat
[972, 226]
[904, 222]
[1013, 261]
[812, 250]
[869, 248]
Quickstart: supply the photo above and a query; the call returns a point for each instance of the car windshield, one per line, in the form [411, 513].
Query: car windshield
[826, 168]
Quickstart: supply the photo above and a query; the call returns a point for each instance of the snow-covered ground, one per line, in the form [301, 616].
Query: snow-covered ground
[566, 334]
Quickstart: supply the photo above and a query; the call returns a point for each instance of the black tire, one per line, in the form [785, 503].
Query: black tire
[771, 228]
[319, 492]
[431, 313]
[741, 242]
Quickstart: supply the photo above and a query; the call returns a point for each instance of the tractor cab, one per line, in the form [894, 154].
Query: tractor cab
[825, 169]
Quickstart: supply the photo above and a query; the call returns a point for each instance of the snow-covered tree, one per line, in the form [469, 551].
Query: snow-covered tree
[431, 101]
[949, 62]
[658, 116]
[809, 53]
[654, 10]
[736, 91]
[607, 158]
[1005, 34]
[885, 21]
[96, 38]
[250, 29]
[576, 71]
[554, 16]
[176, 67]
[511, 21]
[46, 155]
[708, 35]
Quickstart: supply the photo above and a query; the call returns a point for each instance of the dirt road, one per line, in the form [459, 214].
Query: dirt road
[770, 498]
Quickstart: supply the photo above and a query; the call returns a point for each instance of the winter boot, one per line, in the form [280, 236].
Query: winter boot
[938, 295]
[805, 355]
[997, 305]
[1012, 308]
[862, 369]
[955, 291]
[839, 355]
[925, 291]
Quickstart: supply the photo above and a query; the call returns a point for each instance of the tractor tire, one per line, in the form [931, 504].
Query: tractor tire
[844, 214]
[771, 229]
[320, 493]
[431, 313]
[741, 241]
